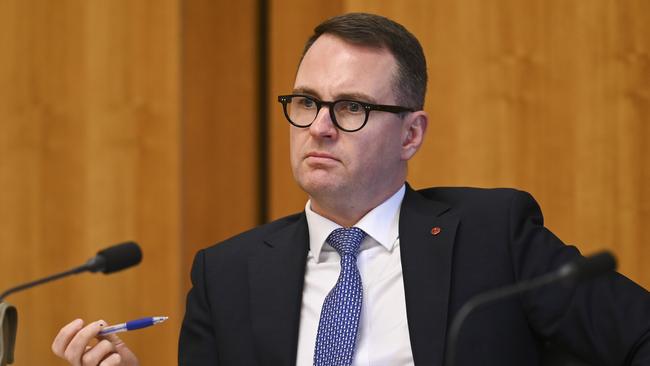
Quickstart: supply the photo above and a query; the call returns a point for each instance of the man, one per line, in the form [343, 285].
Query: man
[372, 272]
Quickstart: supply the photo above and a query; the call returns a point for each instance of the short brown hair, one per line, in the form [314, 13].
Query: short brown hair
[378, 31]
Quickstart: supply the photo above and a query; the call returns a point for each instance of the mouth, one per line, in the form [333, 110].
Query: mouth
[320, 156]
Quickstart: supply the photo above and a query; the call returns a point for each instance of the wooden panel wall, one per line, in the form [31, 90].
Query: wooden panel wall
[89, 141]
[122, 120]
[546, 96]
[220, 122]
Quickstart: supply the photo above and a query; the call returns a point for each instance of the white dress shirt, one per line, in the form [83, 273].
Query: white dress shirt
[383, 337]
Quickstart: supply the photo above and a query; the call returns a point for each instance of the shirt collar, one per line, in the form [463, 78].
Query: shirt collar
[381, 223]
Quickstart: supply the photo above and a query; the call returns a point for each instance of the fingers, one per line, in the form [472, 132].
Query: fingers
[115, 340]
[65, 335]
[73, 341]
[112, 360]
[75, 349]
[95, 355]
[127, 357]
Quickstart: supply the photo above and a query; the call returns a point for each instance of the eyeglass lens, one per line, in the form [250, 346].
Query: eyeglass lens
[349, 115]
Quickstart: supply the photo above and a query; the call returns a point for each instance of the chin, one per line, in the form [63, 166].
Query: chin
[318, 184]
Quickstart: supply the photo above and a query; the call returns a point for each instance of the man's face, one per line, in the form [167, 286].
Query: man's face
[329, 163]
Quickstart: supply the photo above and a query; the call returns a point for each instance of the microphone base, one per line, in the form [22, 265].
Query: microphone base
[8, 329]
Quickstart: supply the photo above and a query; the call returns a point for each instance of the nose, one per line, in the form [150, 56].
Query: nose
[323, 126]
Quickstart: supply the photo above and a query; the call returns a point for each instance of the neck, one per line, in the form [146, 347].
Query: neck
[347, 212]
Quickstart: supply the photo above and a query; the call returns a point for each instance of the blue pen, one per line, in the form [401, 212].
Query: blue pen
[133, 325]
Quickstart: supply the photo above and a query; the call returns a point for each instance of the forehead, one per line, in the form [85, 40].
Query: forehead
[333, 68]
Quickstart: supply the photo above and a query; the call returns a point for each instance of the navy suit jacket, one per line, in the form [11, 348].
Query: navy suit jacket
[244, 306]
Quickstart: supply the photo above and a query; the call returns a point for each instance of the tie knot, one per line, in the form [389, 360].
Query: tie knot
[346, 240]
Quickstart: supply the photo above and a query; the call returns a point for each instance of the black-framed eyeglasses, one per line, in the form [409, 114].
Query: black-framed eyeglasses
[347, 115]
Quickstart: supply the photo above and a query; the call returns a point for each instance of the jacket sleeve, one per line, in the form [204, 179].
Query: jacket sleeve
[605, 321]
[197, 344]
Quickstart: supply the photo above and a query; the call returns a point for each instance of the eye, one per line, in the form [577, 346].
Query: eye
[353, 107]
[304, 102]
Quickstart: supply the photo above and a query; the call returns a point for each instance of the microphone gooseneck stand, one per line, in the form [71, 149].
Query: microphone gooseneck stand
[109, 260]
[571, 274]
[9, 315]
[485, 298]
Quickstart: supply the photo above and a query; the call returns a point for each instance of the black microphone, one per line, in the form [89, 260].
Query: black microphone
[109, 260]
[579, 270]
[115, 258]
[585, 268]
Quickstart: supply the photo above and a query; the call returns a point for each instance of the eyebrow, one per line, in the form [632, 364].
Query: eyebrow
[352, 95]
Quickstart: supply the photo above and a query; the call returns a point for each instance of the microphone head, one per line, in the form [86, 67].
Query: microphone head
[589, 267]
[116, 258]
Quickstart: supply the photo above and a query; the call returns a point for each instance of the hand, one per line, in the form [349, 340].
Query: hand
[73, 343]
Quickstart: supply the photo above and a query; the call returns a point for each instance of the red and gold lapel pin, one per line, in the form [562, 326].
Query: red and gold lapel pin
[435, 231]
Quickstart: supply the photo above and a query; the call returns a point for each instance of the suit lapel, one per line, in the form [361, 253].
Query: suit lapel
[427, 232]
[276, 281]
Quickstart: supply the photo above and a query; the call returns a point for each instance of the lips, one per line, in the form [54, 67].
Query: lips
[320, 156]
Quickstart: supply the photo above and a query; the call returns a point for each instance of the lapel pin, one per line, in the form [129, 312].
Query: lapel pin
[435, 231]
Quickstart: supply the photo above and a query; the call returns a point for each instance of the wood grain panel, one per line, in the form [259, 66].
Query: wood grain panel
[292, 22]
[220, 167]
[89, 156]
[546, 96]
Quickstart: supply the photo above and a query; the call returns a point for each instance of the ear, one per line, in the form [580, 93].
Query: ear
[413, 130]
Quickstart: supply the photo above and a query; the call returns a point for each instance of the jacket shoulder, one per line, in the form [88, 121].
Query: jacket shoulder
[486, 204]
[466, 197]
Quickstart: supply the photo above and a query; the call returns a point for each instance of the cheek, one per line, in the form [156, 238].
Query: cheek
[378, 154]
[387, 145]
[297, 141]
[294, 144]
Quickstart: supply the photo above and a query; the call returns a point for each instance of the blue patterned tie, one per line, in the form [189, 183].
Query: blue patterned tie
[339, 318]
